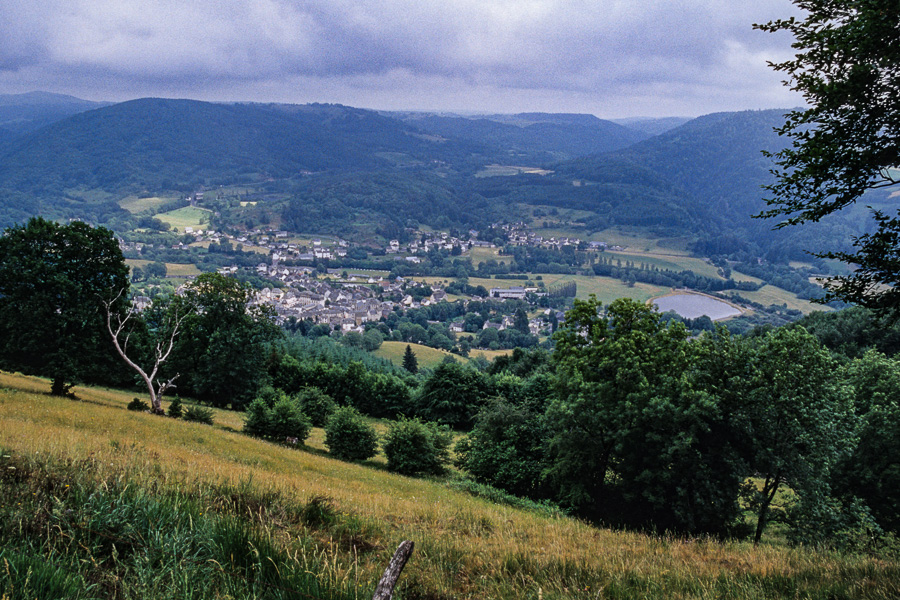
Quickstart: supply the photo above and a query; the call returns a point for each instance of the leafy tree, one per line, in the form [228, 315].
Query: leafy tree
[276, 416]
[506, 449]
[454, 394]
[155, 269]
[799, 417]
[222, 349]
[316, 404]
[349, 437]
[54, 281]
[848, 140]
[631, 440]
[372, 340]
[413, 447]
[409, 361]
[872, 471]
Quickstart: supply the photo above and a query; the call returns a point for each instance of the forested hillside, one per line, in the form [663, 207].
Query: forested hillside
[330, 168]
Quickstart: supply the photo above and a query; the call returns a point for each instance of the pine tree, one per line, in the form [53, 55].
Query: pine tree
[409, 361]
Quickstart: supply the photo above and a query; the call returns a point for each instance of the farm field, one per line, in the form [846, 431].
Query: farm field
[480, 255]
[172, 269]
[606, 289]
[465, 547]
[671, 262]
[507, 170]
[770, 294]
[189, 216]
[133, 204]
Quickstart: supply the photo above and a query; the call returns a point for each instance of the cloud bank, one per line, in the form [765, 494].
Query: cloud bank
[608, 57]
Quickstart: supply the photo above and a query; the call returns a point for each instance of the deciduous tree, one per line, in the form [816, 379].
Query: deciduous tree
[848, 140]
[54, 283]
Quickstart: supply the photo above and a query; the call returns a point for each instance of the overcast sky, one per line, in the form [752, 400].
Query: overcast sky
[611, 58]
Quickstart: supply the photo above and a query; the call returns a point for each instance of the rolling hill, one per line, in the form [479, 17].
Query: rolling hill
[532, 137]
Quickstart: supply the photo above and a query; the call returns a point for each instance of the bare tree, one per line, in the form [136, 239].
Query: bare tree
[118, 329]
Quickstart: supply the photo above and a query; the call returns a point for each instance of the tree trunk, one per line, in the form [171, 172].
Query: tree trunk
[768, 494]
[59, 387]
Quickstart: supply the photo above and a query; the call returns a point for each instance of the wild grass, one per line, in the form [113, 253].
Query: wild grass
[144, 481]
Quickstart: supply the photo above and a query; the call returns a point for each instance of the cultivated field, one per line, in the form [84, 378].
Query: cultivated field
[770, 294]
[189, 216]
[133, 204]
[465, 547]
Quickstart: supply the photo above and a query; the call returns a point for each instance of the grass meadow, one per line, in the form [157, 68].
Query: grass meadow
[426, 357]
[104, 502]
[189, 216]
[133, 204]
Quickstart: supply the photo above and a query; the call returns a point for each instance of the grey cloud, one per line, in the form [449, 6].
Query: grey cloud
[578, 46]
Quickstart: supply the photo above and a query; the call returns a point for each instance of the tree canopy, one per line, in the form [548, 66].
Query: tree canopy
[848, 139]
[223, 346]
[54, 281]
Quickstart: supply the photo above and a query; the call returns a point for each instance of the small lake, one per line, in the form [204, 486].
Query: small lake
[691, 306]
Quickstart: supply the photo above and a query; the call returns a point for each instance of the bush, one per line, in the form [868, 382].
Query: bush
[256, 421]
[138, 404]
[281, 421]
[176, 410]
[287, 422]
[349, 437]
[413, 447]
[316, 404]
[199, 414]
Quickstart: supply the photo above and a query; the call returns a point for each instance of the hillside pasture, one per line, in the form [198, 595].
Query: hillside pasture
[465, 547]
[189, 216]
[134, 204]
[426, 357]
[769, 294]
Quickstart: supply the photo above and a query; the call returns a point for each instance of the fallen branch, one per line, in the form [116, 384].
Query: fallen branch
[385, 588]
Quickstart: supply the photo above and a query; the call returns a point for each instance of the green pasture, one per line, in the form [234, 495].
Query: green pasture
[189, 216]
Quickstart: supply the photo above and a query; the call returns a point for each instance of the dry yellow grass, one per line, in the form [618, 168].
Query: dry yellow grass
[466, 547]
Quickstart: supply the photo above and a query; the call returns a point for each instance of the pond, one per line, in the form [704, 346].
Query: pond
[691, 306]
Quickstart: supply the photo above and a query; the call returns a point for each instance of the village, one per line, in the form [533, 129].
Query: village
[346, 299]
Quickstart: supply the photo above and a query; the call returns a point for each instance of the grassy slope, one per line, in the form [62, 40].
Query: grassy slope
[465, 547]
[426, 357]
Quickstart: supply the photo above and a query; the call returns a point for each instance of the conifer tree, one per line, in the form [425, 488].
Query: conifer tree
[409, 361]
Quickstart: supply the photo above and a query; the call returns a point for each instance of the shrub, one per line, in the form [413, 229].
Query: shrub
[286, 420]
[316, 404]
[199, 414]
[349, 437]
[138, 404]
[256, 421]
[176, 410]
[413, 447]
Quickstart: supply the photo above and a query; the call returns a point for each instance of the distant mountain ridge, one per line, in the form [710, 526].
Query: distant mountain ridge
[328, 164]
[541, 137]
[23, 113]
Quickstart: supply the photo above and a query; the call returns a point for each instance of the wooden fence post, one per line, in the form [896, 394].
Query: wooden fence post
[385, 588]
